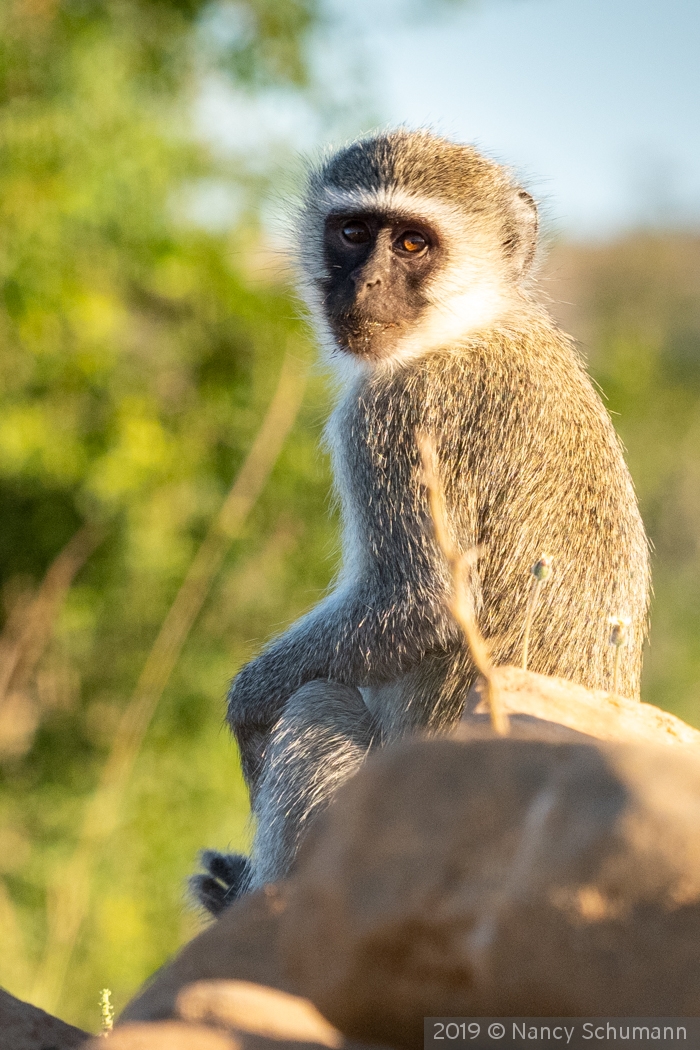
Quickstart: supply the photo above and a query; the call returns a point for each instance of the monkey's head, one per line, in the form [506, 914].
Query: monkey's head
[409, 242]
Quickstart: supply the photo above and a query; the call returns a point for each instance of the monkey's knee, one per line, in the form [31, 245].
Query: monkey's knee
[321, 739]
[323, 734]
[332, 706]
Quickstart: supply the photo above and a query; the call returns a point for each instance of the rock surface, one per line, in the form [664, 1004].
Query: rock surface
[166, 1035]
[553, 708]
[232, 1015]
[501, 876]
[25, 1027]
[240, 945]
[555, 871]
[256, 1010]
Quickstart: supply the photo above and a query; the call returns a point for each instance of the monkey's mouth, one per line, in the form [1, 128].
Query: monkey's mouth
[362, 337]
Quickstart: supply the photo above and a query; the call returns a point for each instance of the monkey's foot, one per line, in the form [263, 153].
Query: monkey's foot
[227, 878]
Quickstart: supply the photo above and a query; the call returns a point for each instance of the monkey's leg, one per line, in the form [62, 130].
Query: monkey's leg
[321, 739]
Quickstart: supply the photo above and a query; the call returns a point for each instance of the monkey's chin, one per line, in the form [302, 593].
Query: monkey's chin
[371, 341]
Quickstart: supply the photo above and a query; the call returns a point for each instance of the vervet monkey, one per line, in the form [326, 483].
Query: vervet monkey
[416, 256]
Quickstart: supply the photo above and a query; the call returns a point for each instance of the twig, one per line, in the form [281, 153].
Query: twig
[71, 893]
[541, 571]
[29, 627]
[106, 1013]
[461, 605]
[618, 638]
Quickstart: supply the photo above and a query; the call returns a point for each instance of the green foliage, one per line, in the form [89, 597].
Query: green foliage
[649, 363]
[638, 316]
[137, 358]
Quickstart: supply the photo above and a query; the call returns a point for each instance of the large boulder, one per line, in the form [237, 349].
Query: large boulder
[232, 1015]
[26, 1027]
[166, 1035]
[241, 945]
[226, 990]
[254, 1010]
[551, 872]
[546, 708]
[501, 876]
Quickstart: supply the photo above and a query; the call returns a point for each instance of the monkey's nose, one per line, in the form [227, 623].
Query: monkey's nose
[367, 286]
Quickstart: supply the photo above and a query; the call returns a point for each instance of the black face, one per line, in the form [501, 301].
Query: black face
[378, 268]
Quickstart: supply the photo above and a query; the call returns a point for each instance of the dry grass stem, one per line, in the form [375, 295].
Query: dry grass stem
[70, 896]
[460, 566]
[106, 1012]
[28, 630]
[541, 571]
[619, 626]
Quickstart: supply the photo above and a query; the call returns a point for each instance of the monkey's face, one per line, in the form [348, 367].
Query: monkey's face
[377, 272]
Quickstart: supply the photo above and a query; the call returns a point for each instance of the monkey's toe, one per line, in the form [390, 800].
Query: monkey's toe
[226, 879]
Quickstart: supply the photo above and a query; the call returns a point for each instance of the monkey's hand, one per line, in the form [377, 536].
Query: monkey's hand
[226, 878]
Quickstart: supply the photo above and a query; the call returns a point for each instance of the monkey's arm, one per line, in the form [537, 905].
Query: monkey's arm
[353, 637]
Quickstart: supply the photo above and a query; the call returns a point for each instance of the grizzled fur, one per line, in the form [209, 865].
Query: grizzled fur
[529, 462]
[322, 737]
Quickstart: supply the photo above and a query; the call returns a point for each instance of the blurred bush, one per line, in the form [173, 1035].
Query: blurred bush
[635, 307]
[137, 358]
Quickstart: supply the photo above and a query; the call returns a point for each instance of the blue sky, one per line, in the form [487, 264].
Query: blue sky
[595, 102]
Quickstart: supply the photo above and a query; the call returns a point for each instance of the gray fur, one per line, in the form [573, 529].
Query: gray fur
[529, 462]
[322, 737]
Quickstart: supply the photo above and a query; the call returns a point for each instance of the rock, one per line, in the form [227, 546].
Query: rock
[25, 1027]
[245, 1013]
[232, 1015]
[256, 1010]
[501, 876]
[553, 708]
[165, 1035]
[241, 944]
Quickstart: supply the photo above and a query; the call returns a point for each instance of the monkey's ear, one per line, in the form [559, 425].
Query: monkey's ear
[520, 242]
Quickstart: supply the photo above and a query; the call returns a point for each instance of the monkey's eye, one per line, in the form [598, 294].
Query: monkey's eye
[412, 242]
[356, 232]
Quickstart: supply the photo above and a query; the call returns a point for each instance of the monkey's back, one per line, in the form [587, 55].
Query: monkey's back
[530, 462]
